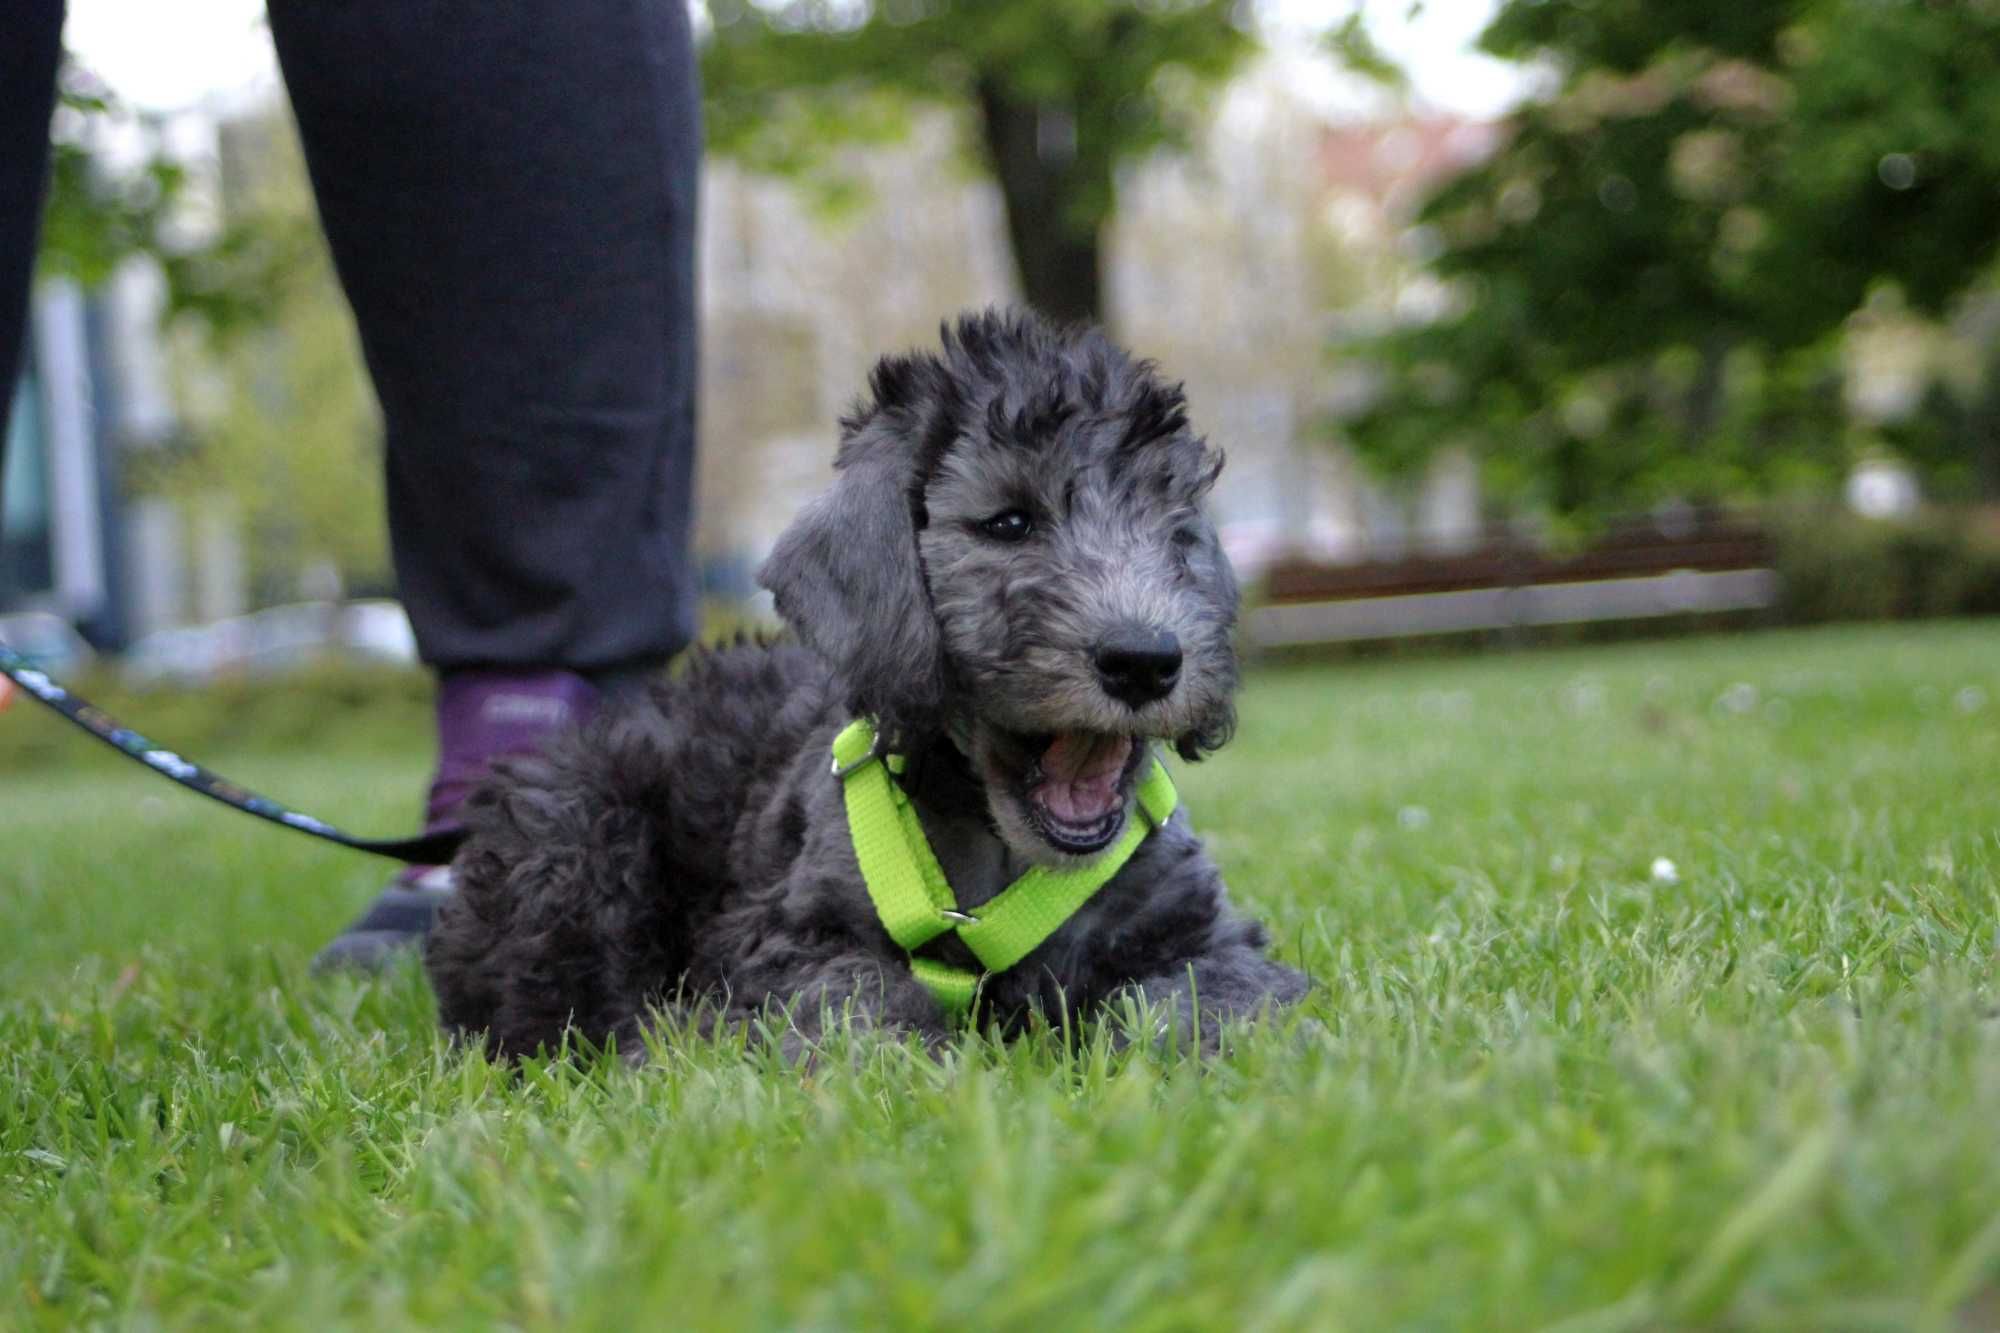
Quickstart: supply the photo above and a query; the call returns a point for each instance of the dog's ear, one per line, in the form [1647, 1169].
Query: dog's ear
[848, 577]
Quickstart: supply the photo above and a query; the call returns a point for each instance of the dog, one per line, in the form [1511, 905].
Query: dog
[1012, 579]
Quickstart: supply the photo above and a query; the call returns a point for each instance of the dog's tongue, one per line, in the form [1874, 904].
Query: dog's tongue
[1080, 772]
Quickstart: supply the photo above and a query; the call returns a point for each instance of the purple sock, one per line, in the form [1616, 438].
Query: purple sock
[484, 715]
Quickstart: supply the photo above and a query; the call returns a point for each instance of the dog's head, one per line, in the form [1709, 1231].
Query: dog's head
[1013, 552]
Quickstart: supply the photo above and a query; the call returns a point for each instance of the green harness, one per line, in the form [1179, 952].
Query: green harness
[908, 886]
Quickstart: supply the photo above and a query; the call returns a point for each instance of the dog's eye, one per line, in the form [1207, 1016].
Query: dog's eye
[1009, 525]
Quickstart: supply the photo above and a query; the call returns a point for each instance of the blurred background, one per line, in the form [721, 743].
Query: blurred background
[1514, 316]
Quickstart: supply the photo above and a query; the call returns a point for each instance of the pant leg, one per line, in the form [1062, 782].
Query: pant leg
[28, 53]
[508, 188]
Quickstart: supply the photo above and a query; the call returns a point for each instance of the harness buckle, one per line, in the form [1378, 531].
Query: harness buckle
[875, 751]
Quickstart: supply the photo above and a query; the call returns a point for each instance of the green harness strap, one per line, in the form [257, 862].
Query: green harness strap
[909, 889]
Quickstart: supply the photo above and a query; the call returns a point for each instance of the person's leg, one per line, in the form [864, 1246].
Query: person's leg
[509, 193]
[28, 59]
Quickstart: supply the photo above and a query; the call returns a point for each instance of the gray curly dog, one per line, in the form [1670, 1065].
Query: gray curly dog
[1012, 576]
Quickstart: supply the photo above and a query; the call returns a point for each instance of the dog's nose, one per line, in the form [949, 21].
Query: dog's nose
[1138, 666]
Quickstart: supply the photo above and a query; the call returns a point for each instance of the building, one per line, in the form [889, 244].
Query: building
[90, 387]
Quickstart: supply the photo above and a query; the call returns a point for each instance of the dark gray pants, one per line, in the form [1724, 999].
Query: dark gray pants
[508, 189]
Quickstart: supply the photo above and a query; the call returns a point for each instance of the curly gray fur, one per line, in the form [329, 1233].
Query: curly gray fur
[694, 846]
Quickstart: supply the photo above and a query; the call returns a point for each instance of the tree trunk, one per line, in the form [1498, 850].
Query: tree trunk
[1981, 433]
[1041, 178]
[1704, 399]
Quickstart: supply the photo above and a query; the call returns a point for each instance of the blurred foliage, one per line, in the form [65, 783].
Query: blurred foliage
[1062, 91]
[95, 220]
[1354, 47]
[1835, 566]
[1653, 270]
[105, 208]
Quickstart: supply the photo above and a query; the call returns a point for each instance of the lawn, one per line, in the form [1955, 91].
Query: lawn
[1655, 990]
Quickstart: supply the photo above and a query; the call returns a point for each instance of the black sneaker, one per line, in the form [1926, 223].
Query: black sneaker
[481, 715]
[395, 924]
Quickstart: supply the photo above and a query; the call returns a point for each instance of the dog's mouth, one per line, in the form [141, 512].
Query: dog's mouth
[1077, 786]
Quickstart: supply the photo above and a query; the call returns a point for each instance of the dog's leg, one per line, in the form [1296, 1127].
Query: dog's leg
[1194, 1002]
[568, 912]
[857, 991]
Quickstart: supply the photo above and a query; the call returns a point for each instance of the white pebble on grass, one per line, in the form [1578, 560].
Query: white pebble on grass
[1665, 871]
[1738, 698]
[1584, 695]
[1445, 705]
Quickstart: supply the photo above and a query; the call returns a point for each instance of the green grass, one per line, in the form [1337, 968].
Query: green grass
[1541, 1085]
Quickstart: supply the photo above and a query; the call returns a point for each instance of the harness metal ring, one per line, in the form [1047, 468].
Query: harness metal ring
[840, 770]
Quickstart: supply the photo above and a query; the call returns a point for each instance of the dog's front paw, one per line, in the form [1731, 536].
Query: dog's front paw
[1171, 1024]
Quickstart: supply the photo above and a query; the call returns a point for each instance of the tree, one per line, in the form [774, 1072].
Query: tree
[1063, 92]
[1654, 265]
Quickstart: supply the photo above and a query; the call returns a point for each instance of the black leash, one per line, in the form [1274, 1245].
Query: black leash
[425, 849]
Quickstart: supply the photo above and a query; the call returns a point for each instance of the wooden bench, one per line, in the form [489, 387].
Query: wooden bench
[1635, 570]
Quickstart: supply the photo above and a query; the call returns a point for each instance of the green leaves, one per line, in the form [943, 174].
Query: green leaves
[1718, 182]
[1355, 49]
[102, 211]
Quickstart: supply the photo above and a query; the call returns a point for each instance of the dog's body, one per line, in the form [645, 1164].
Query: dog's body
[1012, 575]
